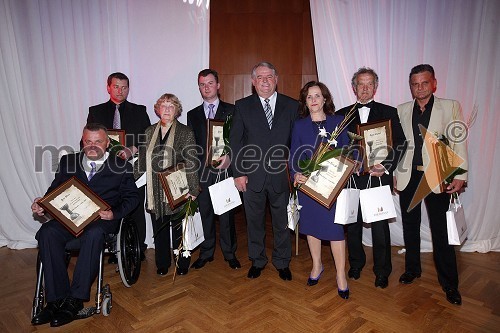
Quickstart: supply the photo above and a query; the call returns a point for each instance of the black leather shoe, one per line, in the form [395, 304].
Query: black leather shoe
[453, 296]
[182, 271]
[285, 274]
[407, 277]
[233, 263]
[47, 314]
[354, 273]
[143, 256]
[254, 272]
[162, 271]
[199, 263]
[381, 281]
[343, 293]
[67, 312]
[112, 259]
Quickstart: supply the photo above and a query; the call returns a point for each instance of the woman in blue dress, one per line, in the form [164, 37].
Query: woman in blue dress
[317, 112]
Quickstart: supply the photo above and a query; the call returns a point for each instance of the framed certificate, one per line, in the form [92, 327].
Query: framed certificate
[325, 184]
[74, 205]
[117, 135]
[376, 143]
[175, 185]
[215, 141]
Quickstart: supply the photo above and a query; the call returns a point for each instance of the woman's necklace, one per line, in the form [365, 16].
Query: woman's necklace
[320, 124]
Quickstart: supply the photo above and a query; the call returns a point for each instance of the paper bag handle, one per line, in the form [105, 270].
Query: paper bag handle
[369, 184]
[218, 175]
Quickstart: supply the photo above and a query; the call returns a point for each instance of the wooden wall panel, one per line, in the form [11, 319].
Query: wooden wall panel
[245, 32]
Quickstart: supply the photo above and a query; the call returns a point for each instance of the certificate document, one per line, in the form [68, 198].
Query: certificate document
[75, 205]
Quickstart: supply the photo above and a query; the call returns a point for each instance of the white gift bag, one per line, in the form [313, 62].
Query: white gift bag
[192, 232]
[376, 203]
[346, 207]
[292, 210]
[455, 222]
[224, 195]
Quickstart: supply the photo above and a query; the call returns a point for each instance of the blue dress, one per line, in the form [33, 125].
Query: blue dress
[315, 219]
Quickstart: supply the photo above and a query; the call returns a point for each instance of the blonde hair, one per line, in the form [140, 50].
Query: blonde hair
[170, 98]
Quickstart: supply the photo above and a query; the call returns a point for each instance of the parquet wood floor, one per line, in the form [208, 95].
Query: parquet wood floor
[218, 299]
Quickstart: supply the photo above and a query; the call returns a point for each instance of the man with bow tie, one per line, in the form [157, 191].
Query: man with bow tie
[364, 85]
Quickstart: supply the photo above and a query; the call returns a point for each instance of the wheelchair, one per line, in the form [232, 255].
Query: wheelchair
[125, 245]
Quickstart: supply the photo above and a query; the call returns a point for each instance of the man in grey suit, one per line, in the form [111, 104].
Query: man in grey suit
[212, 108]
[260, 140]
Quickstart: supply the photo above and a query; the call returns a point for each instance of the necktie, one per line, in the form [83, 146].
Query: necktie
[92, 170]
[116, 119]
[269, 113]
[211, 113]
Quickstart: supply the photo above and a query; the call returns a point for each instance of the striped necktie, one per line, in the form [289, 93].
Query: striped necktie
[116, 118]
[211, 113]
[269, 113]
[92, 170]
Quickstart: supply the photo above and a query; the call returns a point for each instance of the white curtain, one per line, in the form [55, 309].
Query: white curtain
[461, 39]
[55, 56]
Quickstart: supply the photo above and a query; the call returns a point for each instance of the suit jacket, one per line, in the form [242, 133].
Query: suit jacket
[114, 182]
[444, 112]
[184, 150]
[196, 119]
[379, 112]
[134, 119]
[257, 150]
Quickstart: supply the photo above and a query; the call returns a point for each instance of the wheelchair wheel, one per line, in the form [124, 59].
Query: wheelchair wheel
[128, 252]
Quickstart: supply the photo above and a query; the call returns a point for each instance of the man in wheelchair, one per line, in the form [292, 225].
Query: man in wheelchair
[110, 178]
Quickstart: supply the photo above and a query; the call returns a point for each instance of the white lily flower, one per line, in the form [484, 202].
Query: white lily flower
[333, 142]
[186, 253]
[176, 252]
[322, 132]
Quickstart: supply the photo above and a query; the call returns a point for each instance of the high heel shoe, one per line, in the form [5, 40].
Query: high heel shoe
[344, 293]
[314, 281]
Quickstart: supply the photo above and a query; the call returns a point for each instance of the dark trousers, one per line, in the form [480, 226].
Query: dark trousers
[255, 210]
[163, 253]
[227, 231]
[381, 238]
[443, 253]
[52, 238]
[140, 219]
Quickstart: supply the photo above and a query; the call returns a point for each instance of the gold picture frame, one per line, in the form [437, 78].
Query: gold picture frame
[377, 140]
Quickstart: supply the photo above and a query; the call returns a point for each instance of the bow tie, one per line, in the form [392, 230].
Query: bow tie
[368, 105]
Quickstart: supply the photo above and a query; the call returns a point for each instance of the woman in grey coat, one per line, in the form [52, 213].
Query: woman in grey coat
[168, 143]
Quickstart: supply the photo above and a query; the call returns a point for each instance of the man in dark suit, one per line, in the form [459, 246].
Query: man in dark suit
[118, 113]
[212, 108]
[260, 141]
[111, 179]
[364, 85]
